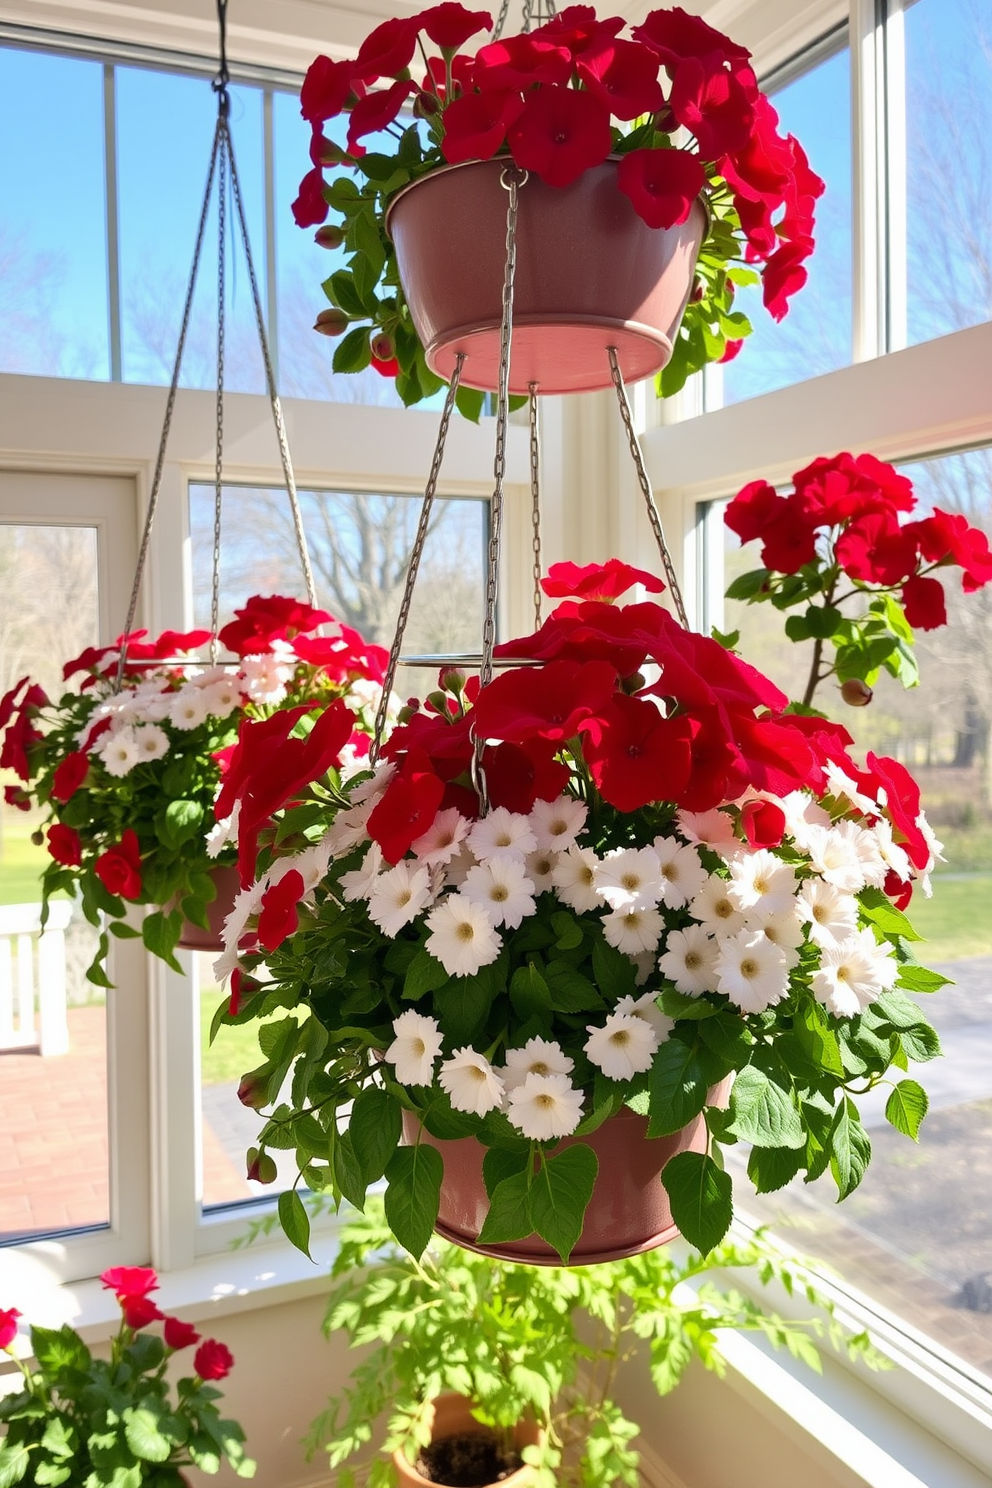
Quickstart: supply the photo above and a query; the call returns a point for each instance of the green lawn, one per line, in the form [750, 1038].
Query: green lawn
[957, 921]
[21, 862]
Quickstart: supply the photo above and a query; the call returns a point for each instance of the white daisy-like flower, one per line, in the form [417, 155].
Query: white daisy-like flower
[936, 847]
[373, 788]
[539, 1056]
[630, 878]
[853, 973]
[714, 909]
[623, 1047]
[801, 813]
[541, 867]
[633, 930]
[832, 916]
[222, 697]
[574, 879]
[152, 741]
[833, 852]
[713, 829]
[545, 1107]
[645, 962]
[893, 856]
[350, 828]
[188, 709]
[462, 937]
[646, 1007]
[690, 960]
[359, 883]
[502, 888]
[751, 971]
[119, 753]
[683, 875]
[840, 784]
[266, 676]
[223, 832]
[398, 896]
[363, 693]
[502, 831]
[246, 904]
[441, 840]
[868, 846]
[416, 1044]
[471, 1082]
[761, 881]
[452, 875]
[783, 930]
[557, 824]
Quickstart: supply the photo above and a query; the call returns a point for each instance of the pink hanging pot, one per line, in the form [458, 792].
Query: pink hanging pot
[590, 274]
[227, 882]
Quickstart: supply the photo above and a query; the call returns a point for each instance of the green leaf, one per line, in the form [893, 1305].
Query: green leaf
[797, 628]
[747, 585]
[470, 403]
[561, 1194]
[762, 1113]
[368, 242]
[921, 979]
[413, 1196]
[614, 973]
[681, 1006]
[180, 821]
[529, 993]
[906, 1108]
[509, 1216]
[822, 621]
[144, 1438]
[353, 352]
[59, 1351]
[160, 932]
[571, 992]
[340, 290]
[882, 912]
[375, 1128]
[348, 1171]
[462, 1007]
[701, 1196]
[920, 1044]
[295, 1220]
[850, 1149]
[677, 1088]
[503, 1162]
[14, 1460]
[568, 930]
[771, 1168]
[424, 974]
[816, 1038]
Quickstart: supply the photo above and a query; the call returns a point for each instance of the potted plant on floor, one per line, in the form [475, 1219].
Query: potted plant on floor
[504, 1369]
[642, 150]
[80, 1419]
[127, 765]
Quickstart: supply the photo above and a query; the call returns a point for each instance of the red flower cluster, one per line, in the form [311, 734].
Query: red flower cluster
[132, 1286]
[119, 868]
[853, 504]
[8, 1326]
[550, 98]
[18, 710]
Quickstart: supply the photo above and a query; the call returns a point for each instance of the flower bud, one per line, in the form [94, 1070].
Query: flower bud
[406, 713]
[633, 683]
[382, 347]
[329, 236]
[698, 291]
[261, 1167]
[254, 1089]
[856, 693]
[331, 322]
[425, 105]
[452, 680]
[38, 838]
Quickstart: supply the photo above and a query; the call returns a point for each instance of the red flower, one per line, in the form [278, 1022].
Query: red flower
[139, 1312]
[876, 550]
[326, 89]
[520, 774]
[577, 28]
[714, 105]
[551, 700]
[388, 368]
[130, 1281]
[789, 540]
[902, 804]
[924, 602]
[450, 25]
[624, 76]
[179, 1335]
[279, 916]
[388, 50]
[119, 868]
[8, 1326]
[268, 618]
[752, 509]
[213, 1360]
[899, 890]
[69, 775]
[946, 537]
[763, 823]
[475, 126]
[408, 807]
[64, 845]
[674, 34]
[635, 754]
[8, 703]
[605, 581]
[310, 208]
[374, 112]
[16, 796]
[560, 134]
[784, 275]
[661, 184]
[518, 62]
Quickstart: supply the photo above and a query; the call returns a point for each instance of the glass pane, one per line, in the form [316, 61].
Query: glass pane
[53, 1024]
[161, 195]
[53, 242]
[912, 1236]
[948, 163]
[815, 336]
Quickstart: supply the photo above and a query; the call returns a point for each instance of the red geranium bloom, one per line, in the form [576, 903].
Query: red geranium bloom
[899, 890]
[179, 1335]
[604, 581]
[624, 76]
[408, 807]
[213, 1360]
[752, 509]
[374, 112]
[876, 550]
[577, 28]
[8, 1326]
[16, 796]
[70, 774]
[560, 134]
[789, 540]
[674, 34]
[64, 845]
[713, 104]
[389, 368]
[310, 208]
[520, 61]
[8, 703]
[763, 823]
[763, 169]
[635, 754]
[925, 604]
[267, 618]
[475, 126]
[450, 25]
[784, 275]
[520, 774]
[661, 184]
[139, 1312]
[119, 868]
[946, 536]
[279, 916]
[551, 700]
[902, 802]
[326, 89]
[130, 1281]
[388, 50]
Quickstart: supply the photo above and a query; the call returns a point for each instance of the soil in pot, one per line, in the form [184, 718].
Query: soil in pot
[468, 1460]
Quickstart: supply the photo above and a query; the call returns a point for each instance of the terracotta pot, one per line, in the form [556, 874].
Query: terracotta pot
[590, 274]
[227, 882]
[451, 1415]
[628, 1213]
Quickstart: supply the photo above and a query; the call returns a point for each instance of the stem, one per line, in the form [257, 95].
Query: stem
[814, 672]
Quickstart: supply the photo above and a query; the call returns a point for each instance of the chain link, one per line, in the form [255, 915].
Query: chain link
[645, 485]
[535, 494]
[219, 452]
[539, 10]
[416, 553]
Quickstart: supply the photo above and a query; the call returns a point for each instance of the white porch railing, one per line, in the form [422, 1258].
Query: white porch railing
[32, 977]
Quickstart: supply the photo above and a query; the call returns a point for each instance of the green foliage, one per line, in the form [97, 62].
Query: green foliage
[535, 1342]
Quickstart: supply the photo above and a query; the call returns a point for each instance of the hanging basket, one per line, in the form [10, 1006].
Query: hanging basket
[628, 1213]
[590, 274]
[227, 882]
[451, 1415]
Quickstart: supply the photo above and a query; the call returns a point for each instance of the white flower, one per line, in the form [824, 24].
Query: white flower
[751, 971]
[893, 856]
[832, 916]
[840, 784]
[783, 930]
[833, 852]
[372, 789]
[545, 1106]
[574, 879]
[646, 1007]
[398, 896]
[761, 881]
[247, 903]
[714, 909]
[630, 878]
[633, 930]
[358, 884]
[222, 697]
[853, 973]
[416, 1045]
[690, 960]
[188, 709]
[713, 829]
[645, 962]
[350, 828]
[452, 875]
[540, 867]
[502, 888]
[311, 864]
[266, 676]
[462, 936]
[683, 875]
[623, 1047]
[557, 824]
[440, 842]
[538, 1056]
[936, 847]
[471, 1082]
[152, 741]
[119, 753]
[223, 832]
[500, 832]
[801, 813]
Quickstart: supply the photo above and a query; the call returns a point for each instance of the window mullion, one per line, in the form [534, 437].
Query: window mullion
[868, 280]
[894, 58]
[113, 218]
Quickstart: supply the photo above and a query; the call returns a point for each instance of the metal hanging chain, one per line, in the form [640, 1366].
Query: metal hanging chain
[219, 451]
[545, 11]
[535, 494]
[645, 485]
[416, 553]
